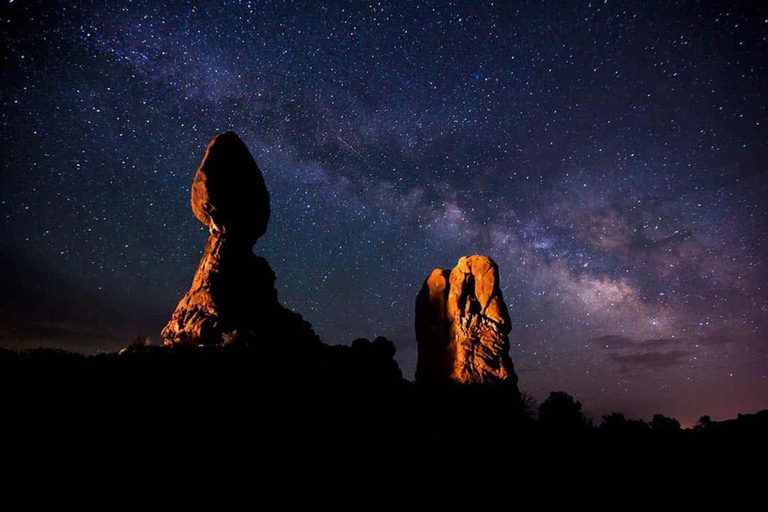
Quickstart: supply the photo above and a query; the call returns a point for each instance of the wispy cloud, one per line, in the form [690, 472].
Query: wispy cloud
[652, 361]
[615, 342]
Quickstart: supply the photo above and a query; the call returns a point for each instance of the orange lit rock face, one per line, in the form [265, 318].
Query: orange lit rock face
[233, 289]
[462, 325]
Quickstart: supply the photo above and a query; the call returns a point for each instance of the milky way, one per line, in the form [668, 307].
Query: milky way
[611, 157]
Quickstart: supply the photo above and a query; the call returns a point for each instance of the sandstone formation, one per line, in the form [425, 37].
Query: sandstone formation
[233, 289]
[228, 193]
[462, 325]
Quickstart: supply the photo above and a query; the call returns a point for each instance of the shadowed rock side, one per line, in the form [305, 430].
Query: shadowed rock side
[436, 352]
[233, 289]
[228, 192]
[462, 325]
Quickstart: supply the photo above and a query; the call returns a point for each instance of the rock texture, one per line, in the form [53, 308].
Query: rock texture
[462, 325]
[233, 289]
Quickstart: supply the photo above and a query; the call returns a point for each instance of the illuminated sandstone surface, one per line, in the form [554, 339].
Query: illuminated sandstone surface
[233, 289]
[462, 325]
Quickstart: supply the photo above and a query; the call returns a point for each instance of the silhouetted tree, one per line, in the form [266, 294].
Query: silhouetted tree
[530, 405]
[661, 424]
[561, 412]
[705, 422]
[616, 424]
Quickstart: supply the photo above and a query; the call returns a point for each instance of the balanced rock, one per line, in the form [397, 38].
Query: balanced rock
[233, 289]
[228, 193]
[462, 325]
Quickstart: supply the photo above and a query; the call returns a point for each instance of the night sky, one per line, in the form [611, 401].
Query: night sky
[610, 157]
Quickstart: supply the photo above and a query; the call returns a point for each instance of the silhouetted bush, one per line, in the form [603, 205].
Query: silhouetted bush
[663, 425]
[617, 425]
[561, 413]
[704, 423]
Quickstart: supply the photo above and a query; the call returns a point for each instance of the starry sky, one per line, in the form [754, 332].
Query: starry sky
[609, 156]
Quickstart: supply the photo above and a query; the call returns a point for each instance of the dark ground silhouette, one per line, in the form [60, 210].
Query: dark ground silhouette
[292, 424]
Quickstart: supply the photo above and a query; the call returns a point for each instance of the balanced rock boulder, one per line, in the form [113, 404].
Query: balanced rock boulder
[228, 193]
[462, 326]
[233, 289]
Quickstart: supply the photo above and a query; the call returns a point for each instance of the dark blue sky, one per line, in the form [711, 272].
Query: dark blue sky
[610, 156]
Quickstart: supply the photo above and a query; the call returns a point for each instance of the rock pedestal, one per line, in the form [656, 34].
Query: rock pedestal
[233, 289]
[462, 325]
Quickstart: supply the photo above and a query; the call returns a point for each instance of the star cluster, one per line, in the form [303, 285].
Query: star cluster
[609, 156]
